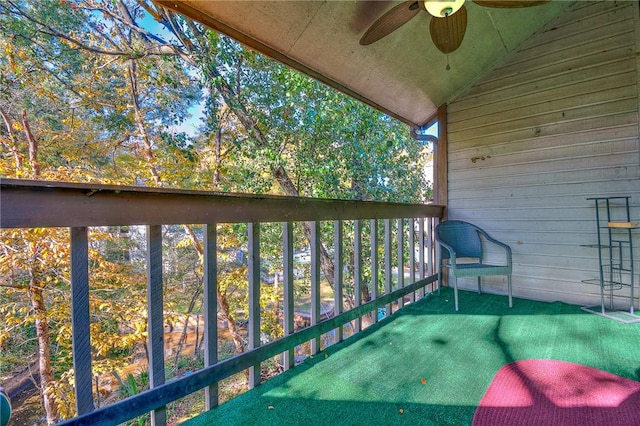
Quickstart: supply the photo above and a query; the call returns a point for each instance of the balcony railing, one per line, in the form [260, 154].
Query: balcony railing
[30, 204]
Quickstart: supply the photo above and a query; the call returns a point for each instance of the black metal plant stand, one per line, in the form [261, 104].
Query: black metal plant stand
[615, 258]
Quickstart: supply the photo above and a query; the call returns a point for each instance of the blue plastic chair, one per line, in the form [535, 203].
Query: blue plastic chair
[460, 239]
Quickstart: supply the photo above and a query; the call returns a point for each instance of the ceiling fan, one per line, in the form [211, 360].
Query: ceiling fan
[448, 22]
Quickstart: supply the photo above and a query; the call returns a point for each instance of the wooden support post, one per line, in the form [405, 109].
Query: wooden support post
[80, 320]
[210, 310]
[315, 283]
[440, 172]
[287, 232]
[636, 19]
[155, 319]
[254, 299]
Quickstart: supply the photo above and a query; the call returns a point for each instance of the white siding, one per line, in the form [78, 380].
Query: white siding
[554, 124]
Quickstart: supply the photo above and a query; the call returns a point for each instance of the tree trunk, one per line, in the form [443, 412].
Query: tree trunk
[33, 146]
[223, 305]
[218, 159]
[11, 145]
[231, 323]
[185, 328]
[36, 296]
[147, 150]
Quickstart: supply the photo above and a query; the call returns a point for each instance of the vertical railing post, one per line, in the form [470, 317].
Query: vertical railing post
[315, 282]
[210, 310]
[374, 265]
[430, 248]
[387, 263]
[400, 259]
[80, 320]
[421, 251]
[155, 320]
[254, 299]
[287, 275]
[412, 256]
[357, 271]
[338, 265]
[436, 256]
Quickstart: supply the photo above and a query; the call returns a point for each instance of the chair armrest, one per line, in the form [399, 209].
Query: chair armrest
[500, 244]
[452, 252]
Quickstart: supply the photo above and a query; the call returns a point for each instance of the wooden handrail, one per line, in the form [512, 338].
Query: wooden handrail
[39, 204]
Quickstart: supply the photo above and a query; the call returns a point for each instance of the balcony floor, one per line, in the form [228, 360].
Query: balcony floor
[376, 378]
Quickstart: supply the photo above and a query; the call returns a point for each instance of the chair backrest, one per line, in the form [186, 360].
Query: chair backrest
[463, 237]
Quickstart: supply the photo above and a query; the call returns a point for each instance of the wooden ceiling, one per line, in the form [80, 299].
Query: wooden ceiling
[403, 74]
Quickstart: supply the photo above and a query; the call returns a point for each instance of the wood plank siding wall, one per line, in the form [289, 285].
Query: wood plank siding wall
[555, 123]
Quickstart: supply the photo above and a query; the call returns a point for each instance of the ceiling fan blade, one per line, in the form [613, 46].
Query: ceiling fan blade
[507, 4]
[390, 21]
[447, 33]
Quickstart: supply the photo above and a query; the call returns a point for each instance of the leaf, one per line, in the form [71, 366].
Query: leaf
[132, 386]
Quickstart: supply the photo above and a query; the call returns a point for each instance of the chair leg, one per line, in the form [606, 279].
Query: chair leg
[439, 279]
[479, 285]
[455, 290]
[510, 290]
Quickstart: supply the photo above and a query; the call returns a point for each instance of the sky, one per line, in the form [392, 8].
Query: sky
[190, 125]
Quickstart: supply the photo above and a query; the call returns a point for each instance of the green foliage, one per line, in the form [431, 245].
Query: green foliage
[332, 146]
[130, 387]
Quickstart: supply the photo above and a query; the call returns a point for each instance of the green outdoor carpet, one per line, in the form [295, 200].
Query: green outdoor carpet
[430, 365]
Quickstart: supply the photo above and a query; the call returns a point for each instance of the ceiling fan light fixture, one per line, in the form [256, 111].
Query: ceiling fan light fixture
[442, 8]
